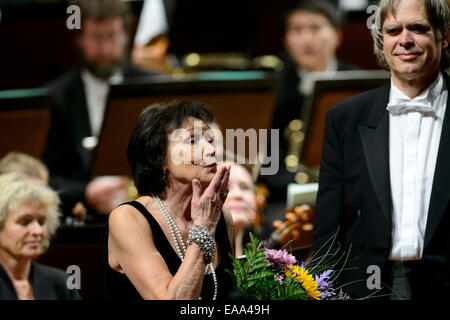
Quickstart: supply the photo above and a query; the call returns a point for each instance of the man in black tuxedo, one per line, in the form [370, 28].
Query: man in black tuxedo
[311, 37]
[80, 100]
[384, 185]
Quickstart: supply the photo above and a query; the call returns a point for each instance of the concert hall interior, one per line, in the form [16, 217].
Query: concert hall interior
[77, 76]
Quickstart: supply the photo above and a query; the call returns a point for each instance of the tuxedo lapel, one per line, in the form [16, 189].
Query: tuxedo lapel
[77, 107]
[440, 194]
[375, 140]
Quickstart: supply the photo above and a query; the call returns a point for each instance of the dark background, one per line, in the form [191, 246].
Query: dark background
[36, 46]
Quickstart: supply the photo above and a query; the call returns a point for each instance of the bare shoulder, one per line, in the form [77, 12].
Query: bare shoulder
[124, 214]
[126, 221]
[132, 251]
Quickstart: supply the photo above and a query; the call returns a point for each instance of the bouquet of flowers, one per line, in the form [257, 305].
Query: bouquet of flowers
[269, 274]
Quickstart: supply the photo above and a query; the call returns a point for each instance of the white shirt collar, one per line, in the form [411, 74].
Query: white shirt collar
[307, 78]
[92, 79]
[331, 67]
[429, 94]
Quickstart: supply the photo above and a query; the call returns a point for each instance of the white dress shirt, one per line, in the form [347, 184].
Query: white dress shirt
[414, 138]
[96, 91]
[307, 78]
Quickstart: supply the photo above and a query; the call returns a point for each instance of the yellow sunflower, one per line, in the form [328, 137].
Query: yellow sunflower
[309, 284]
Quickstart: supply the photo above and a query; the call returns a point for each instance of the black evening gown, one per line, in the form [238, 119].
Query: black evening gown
[118, 286]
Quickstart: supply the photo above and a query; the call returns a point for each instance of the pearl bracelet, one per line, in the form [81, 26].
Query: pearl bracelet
[203, 238]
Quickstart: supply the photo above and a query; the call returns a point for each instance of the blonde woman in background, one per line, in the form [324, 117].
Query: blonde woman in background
[240, 202]
[29, 217]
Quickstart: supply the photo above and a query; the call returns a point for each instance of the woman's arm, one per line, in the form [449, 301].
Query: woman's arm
[132, 249]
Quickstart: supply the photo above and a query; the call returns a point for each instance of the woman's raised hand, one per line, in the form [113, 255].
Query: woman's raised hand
[207, 206]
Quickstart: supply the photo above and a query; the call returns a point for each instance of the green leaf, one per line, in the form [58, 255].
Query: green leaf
[254, 240]
[258, 276]
[260, 266]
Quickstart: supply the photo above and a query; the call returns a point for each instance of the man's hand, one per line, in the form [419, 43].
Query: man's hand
[105, 193]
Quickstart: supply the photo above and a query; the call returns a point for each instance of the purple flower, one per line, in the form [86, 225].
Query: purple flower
[323, 278]
[328, 293]
[343, 296]
[279, 278]
[281, 257]
[324, 285]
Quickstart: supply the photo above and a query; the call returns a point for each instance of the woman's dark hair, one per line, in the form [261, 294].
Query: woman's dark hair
[147, 147]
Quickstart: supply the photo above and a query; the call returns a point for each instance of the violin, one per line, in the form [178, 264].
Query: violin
[297, 229]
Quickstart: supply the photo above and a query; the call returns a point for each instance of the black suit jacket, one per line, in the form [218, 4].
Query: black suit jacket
[354, 195]
[48, 283]
[68, 161]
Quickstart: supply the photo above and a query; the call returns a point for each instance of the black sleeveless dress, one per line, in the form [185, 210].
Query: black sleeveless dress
[118, 286]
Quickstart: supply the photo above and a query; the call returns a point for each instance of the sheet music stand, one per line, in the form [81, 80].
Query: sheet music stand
[326, 92]
[24, 121]
[237, 99]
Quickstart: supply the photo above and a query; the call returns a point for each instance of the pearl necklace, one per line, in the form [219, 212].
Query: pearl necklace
[178, 240]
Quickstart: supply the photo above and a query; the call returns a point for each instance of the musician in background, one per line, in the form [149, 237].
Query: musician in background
[311, 37]
[30, 166]
[151, 41]
[80, 101]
